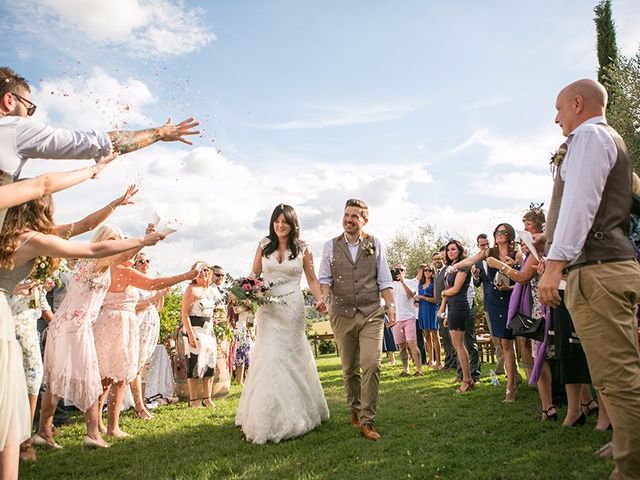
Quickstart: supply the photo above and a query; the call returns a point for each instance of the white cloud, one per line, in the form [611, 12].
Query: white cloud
[533, 150]
[485, 103]
[139, 28]
[343, 116]
[514, 185]
[97, 101]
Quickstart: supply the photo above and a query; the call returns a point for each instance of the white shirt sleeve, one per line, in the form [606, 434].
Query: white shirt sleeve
[590, 157]
[384, 274]
[324, 274]
[37, 140]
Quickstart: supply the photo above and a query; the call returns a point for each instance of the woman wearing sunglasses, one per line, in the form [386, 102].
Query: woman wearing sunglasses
[147, 309]
[496, 301]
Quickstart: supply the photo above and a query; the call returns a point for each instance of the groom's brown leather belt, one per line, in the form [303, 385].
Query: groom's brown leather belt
[597, 262]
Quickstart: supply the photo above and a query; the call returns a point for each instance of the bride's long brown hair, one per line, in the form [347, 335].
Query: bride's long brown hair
[36, 215]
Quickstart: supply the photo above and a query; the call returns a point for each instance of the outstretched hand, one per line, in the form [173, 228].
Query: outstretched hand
[102, 163]
[172, 133]
[125, 199]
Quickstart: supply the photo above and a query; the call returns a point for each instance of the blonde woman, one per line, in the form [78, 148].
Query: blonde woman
[150, 303]
[117, 337]
[29, 232]
[198, 304]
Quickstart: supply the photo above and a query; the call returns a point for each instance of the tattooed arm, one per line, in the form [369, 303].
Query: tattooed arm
[125, 141]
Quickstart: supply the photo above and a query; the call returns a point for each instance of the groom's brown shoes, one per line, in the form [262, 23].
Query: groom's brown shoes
[369, 432]
[355, 420]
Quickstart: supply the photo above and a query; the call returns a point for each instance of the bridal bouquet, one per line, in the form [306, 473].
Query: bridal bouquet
[250, 293]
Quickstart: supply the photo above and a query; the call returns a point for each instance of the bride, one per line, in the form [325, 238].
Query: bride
[282, 396]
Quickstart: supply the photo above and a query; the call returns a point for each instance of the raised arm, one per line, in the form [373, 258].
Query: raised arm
[471, 261]
[140, 280]
[54, 246]
[94, 219]
[32, 188]
[125, 141]
[521, 276]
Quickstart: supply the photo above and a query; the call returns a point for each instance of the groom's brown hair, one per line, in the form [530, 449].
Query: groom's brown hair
[361, 204]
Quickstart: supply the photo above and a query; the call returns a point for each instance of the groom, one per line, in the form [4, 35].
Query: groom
[354, 272]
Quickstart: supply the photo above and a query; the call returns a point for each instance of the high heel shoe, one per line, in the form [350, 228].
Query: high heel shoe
[195, 403]
[469, 383]
[206, 402]
[550, 416]
[578, 422]
[589, 408]
[89, 442]
[43, 442]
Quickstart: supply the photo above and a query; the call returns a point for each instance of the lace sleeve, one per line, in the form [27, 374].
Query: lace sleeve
[264, 242]
[304, 247]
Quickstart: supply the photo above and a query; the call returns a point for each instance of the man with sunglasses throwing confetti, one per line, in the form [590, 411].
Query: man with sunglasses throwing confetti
[22, 138]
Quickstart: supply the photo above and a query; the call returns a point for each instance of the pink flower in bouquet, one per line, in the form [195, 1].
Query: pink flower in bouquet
[246, 287]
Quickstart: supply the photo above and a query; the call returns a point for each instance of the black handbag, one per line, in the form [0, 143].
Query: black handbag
[524, 326]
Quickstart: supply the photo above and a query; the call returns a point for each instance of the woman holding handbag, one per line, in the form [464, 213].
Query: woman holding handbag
[497, 297]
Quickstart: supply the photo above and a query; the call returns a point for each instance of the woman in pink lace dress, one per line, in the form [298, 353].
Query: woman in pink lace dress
[117, 338]
[70, 363]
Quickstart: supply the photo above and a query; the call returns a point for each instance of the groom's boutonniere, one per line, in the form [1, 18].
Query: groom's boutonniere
[368, 248]
[557, 158]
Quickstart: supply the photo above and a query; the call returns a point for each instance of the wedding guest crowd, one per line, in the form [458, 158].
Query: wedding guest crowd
[102, 322]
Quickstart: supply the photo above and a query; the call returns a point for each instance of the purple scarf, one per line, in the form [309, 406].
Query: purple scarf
[520, 302]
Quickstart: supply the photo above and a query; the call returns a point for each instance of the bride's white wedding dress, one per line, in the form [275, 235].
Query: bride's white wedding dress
[282, 396]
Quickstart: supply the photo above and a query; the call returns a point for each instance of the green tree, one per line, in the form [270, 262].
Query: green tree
[412, 248]
[624, 114]
[170, 313]
[607, 47]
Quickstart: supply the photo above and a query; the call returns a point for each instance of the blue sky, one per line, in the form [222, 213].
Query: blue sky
[433, 112]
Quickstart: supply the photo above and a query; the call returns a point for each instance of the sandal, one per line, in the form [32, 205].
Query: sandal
[469, 383]
[195, 403]
[206, 402]
[550, 416]
[589, 408]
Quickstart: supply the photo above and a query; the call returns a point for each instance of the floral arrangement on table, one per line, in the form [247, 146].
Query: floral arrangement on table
[250, 293]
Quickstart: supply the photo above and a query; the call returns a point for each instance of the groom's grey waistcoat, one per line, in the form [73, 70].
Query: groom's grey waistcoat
[355, 284]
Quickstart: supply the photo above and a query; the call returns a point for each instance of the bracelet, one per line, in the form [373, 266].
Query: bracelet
[113, 209]
[504, 268]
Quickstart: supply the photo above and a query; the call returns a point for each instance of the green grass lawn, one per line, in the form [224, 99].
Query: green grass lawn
[428, 432]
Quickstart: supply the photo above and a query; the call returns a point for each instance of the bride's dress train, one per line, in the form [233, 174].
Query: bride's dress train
[282, 396]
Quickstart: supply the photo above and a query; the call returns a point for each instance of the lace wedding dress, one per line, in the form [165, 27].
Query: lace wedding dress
[282, 396]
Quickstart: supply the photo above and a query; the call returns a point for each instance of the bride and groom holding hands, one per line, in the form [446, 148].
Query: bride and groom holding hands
[282, 397]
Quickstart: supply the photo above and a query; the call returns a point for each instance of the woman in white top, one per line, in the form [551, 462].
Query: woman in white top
[198, 304]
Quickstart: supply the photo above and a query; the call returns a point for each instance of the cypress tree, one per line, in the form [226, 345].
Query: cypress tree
[607, 46]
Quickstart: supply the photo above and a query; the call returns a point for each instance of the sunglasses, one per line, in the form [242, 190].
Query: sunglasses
[31, 107]
[218, 274]
[502, 232]
[144, 261]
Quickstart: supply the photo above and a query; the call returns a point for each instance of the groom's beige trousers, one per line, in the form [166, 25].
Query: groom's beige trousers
[359, 341]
